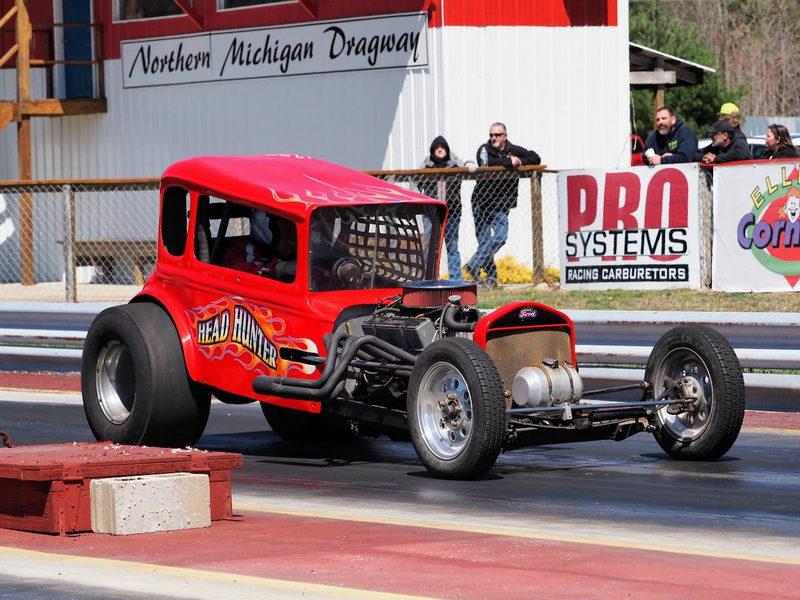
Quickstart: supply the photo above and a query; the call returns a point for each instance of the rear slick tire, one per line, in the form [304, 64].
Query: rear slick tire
[133, 377]
[456, 409]
[704, 360]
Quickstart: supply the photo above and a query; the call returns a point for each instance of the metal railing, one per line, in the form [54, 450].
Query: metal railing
[48, 39]
[612, 346]
[77, 240]
[493, 211]
[92, 241]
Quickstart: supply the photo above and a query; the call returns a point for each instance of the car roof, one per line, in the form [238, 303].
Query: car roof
[294, 184]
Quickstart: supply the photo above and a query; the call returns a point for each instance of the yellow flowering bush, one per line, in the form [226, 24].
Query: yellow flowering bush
[511, 271]
[552, 275]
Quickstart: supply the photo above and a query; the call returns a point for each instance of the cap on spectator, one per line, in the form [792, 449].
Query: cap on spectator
[729, 108]
[721, 127]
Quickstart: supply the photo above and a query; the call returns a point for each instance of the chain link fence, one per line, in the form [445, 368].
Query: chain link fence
[95, 241]
[77, 241]
[492, 214]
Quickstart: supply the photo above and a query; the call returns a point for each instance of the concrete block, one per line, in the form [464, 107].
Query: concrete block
[148, 503]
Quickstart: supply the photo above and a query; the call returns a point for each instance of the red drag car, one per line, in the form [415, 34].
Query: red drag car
[312, 289]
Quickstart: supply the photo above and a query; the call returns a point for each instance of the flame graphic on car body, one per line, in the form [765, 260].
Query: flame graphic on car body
[250, 334]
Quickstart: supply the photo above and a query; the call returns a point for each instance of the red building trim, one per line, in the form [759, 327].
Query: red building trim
[538, 13]
[205, 15]
[298, 11]
[41, 16]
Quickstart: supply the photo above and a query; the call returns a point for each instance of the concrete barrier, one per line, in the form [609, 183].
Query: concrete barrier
[149, 503]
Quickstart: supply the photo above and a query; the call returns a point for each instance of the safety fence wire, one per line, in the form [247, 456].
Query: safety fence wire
[96, 241]
[525, 196]
[77, 241]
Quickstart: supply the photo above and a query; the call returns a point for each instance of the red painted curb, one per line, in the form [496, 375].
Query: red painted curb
[440, 563]
[45, 382]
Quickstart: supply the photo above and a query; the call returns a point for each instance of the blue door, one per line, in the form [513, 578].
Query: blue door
[77, 46]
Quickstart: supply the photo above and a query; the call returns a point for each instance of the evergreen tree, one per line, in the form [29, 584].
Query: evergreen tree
[654, 25]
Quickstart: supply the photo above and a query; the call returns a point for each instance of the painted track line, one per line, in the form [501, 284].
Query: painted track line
[178, 582]
[584, 532]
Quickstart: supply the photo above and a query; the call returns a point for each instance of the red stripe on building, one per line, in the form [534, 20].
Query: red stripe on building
[214, 19]
[537, 13]
[471, 13]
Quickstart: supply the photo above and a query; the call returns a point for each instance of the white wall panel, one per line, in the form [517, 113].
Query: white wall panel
[562, 91]
[366, 120]
[343, 118]
[8, 135]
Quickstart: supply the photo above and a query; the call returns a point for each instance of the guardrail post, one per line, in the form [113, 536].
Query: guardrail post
[71, 289]
[705, 224]
[537, 257]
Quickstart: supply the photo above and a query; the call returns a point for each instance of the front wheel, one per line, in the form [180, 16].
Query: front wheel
[133, 377]
[697, 364]
[456, 409]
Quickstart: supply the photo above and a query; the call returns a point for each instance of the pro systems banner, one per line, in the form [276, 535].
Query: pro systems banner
[756, 228]
[633, 229]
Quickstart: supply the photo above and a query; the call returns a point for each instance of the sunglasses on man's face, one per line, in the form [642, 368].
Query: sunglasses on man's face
[496, 134]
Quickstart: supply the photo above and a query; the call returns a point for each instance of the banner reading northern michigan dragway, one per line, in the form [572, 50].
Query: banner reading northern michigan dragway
[632, 229]
[380, 42]
[756, 228]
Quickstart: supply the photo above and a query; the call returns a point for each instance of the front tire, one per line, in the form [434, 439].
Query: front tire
[456, 409]
[133, 377]
[705, 365]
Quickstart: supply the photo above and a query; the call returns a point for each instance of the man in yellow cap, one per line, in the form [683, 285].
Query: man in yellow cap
[730, 112]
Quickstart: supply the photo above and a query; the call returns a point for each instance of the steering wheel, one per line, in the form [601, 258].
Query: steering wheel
[349, 273]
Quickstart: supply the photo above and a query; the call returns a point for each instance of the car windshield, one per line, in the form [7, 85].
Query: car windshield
[373, 246]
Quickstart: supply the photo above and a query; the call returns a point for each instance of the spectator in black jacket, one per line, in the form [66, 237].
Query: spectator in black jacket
[779, 143]
[730, 112]
[492, 199]
[671, 142]
[725, 145]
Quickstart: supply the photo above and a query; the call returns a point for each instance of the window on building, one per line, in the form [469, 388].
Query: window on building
[147, 9]
[223, 4]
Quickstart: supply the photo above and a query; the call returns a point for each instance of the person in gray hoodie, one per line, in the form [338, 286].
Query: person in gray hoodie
[440, 157]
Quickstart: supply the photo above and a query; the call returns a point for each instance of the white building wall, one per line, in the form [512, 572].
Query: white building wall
[561, 91]
[344, 118]
[365, 120]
